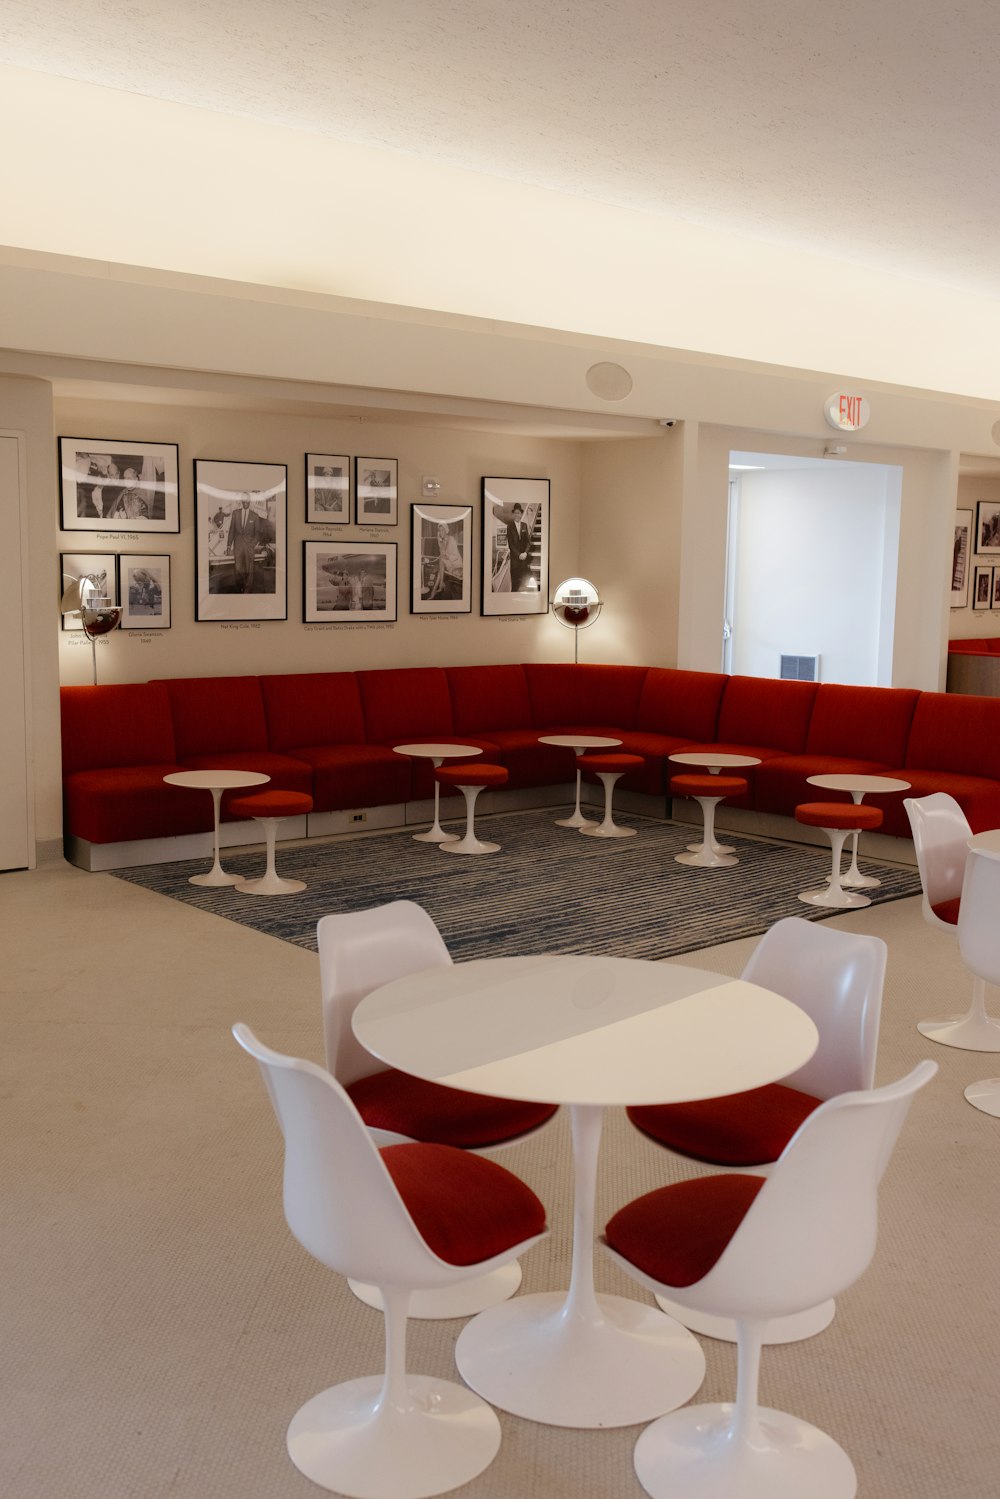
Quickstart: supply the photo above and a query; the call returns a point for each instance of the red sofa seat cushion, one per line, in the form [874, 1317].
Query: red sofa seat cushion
[355, 775]
[322, 707]
[107, 727]
[125, 803]
[782, 782]
[682, 703]
[766, 711]
[578, 695]
[286, 774]
[743, 1129]
[676, 1234]
[955, 732]
[868, 723]
[406, 705]
[485, 698]
[407, 1105]
[978, 797]
[466, 1208]
[216, 715]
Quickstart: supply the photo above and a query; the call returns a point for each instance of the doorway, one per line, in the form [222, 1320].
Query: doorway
[812, 554]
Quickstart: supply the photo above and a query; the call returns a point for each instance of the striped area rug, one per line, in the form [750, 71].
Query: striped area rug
[549, 890]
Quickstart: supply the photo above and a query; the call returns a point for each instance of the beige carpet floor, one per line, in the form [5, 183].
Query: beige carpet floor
[160, 1325]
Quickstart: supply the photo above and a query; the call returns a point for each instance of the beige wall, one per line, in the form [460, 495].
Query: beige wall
[458, 459]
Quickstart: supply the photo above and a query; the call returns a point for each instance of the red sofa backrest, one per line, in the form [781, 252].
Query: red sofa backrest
[107, 727]
[406, 704]
[216, 715]
[866, 723]
[952, 731]
[680, 702]
[766, 711]
[572, 694]
[488, 697]
[312, 708]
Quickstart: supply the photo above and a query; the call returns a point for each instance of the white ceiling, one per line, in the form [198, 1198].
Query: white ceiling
[867, 129]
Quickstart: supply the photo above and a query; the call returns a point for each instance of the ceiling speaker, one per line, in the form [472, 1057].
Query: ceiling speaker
[609, 381]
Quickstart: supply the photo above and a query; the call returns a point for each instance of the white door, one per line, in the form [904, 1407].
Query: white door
[16, 840]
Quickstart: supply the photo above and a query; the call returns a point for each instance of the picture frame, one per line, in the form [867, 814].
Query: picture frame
[328, 489]
[441, 561]
[117, 484]
[376, 489]
[349, 582]
[515, 510]
[982, 587]
[995, 598]
[101, 566]
[144, 585]
[961, 560]
[241, 540]
[987, 527]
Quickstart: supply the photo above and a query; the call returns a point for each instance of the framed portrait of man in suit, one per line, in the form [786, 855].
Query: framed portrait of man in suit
[241, 532]
[515, 546]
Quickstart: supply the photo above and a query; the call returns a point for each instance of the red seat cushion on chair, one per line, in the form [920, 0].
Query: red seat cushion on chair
[676, 1234]
[407, 1105]
[466, 1208]
[947, 910]
[745, 1129]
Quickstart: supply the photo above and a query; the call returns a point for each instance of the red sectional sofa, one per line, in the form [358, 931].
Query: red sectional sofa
[331, 734]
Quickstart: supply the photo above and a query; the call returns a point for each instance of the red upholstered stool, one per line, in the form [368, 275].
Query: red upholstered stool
[470, 780]
[268, 808]
[708, 791]
[837, 819]
[609, 769]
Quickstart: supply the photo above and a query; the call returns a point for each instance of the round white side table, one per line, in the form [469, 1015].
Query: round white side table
[216, 781]
[859, 786]
[437, 754]
[578, 743]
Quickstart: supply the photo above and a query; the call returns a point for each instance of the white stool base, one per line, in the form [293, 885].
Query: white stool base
[966, 1032]
[792, 1329]
[216, 877]
[608, 828]
[469, 845]
[717, 848]
[706, 858]
[270, 884]
[985, 1096]
[688, 1454]
[837, 900]
[599, 830]
[442, 1440]
[464, 1299]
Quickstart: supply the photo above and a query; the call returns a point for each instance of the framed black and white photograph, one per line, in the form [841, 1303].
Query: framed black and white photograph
[349, 582]
[111, 485]
[441, 559]
[982, 587]
[241, 525]
[100, 567]
[375, 491]
[995, 600]
[961, 559]
[328, 489]
[515, 546]
[144, 582]
[987, 526]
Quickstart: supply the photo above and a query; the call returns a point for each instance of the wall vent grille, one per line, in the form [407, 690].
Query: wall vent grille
[800, 668]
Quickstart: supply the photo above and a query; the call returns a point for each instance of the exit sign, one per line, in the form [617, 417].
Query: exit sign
[846, 412]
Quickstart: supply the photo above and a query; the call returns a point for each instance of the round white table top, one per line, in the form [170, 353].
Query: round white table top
[987, 843]
[216, 780]
[438, 751]
[585, 1030]
[712, 758]
[864, 784]
[579, 742]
